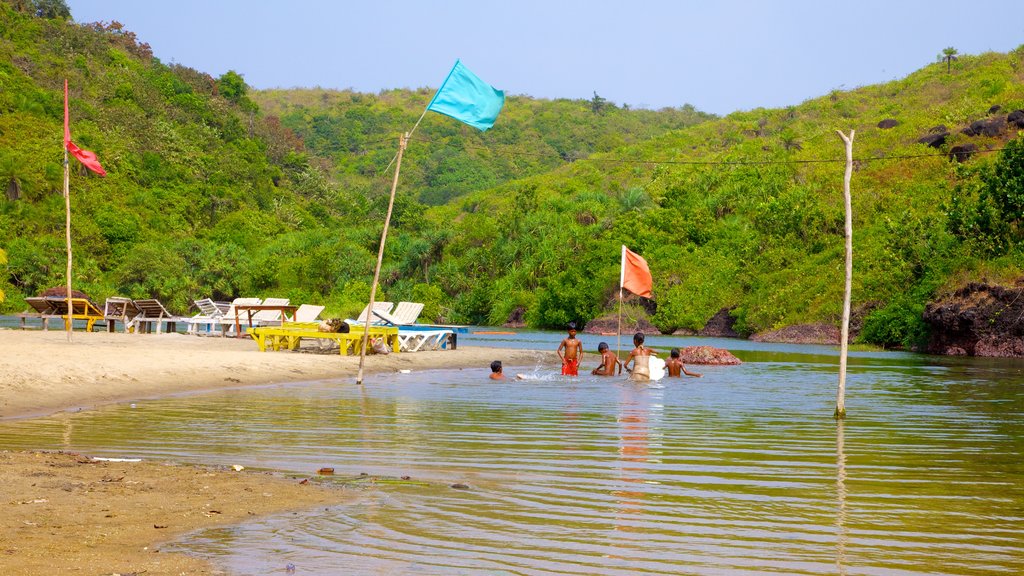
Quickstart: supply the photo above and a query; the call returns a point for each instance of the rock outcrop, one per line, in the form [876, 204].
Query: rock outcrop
[888, 123]
[720, 325]
[933, 140]
[1016, 118]
[993, 127]
[708, 355]
[963, 152]
[978, 320]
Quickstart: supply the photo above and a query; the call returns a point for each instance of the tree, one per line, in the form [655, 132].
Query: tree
[948, 56]
[597, 103]
[1006, 182]
[232, 86]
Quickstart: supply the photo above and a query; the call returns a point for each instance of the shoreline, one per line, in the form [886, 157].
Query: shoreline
[64, 511]
[41, 373]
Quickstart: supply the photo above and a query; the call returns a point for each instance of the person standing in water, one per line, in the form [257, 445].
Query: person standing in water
[675, 367]
[573, 352]
[640, 357]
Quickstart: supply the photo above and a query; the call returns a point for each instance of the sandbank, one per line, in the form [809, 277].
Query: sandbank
[42, 373]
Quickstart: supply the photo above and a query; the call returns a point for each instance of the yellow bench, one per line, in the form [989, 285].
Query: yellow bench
[290, 335]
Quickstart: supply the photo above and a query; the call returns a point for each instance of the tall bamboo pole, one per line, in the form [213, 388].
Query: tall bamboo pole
[622, 279]
[380, 258]
[67, 235]
[840, 412]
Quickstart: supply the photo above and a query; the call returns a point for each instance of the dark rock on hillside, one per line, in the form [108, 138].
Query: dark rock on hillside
[707, 355]
[517, 319]
[995, 108]
[933, 140]
[720, 325]
[962, 152]
[978, 320]
[940, 129]
[1016, 118]
[888, 123]
[993, 127]
[801, 334]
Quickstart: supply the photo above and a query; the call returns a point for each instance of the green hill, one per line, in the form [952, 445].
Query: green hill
[218, 191]
[357, 133]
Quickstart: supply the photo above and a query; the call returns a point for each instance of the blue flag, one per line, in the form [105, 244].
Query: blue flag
[468, 99]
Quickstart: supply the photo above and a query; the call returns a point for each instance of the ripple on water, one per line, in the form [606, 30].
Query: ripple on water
[740, 472]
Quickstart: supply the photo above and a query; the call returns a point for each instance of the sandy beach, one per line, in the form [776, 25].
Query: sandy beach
[41, 372]
[69, 514]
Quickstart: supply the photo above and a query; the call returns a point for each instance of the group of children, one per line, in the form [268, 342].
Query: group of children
[610, 363]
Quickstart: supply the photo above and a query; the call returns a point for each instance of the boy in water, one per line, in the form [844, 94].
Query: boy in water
[640, 357]
[675, 366]
[496, 373]
[609, 361]
[573, 353]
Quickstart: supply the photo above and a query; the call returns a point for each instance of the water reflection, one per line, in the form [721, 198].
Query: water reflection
[842, 532]
[743, 471]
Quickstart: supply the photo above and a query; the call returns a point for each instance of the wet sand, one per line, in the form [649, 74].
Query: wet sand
[69, 514]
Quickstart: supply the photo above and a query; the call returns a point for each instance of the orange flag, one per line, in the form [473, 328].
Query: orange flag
[84, 156]
[636, 276]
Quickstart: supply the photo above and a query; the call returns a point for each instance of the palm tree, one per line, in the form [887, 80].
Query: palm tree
[948, 55]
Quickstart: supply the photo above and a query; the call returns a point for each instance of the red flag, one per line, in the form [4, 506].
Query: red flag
[636, 276]
[84, 156]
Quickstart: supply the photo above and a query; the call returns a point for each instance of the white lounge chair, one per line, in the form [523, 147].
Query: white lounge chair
[404, 314]
[209, 315]
[227, 322]
[417, 340]
[268, 317]
[307, 313]
[365, 315]
[152, 313]
[120, 309]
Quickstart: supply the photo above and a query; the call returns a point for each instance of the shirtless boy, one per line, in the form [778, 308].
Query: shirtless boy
[496, 371]
[609, 361]
[675, 367]
[573, 352]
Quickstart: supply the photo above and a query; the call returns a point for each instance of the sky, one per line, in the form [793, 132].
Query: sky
[720, 56]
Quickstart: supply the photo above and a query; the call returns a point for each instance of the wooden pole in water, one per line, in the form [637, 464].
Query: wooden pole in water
[380, 258]
[840, 412]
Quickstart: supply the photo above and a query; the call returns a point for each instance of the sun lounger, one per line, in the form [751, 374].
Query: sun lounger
[290, 336]
[152, 313]
[415, 340]
[210, 313]
[119, 309]
[404, 314]
[41, 309]
[81, 309]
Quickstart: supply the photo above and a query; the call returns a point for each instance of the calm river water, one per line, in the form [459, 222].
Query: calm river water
[743, 471]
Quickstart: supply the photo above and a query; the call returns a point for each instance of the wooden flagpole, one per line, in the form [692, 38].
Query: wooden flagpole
[840, 412]
[622, 279]
[67, 214]
[403, 141]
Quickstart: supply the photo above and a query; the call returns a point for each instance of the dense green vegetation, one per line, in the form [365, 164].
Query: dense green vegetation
[214, 190]
[357, 133]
